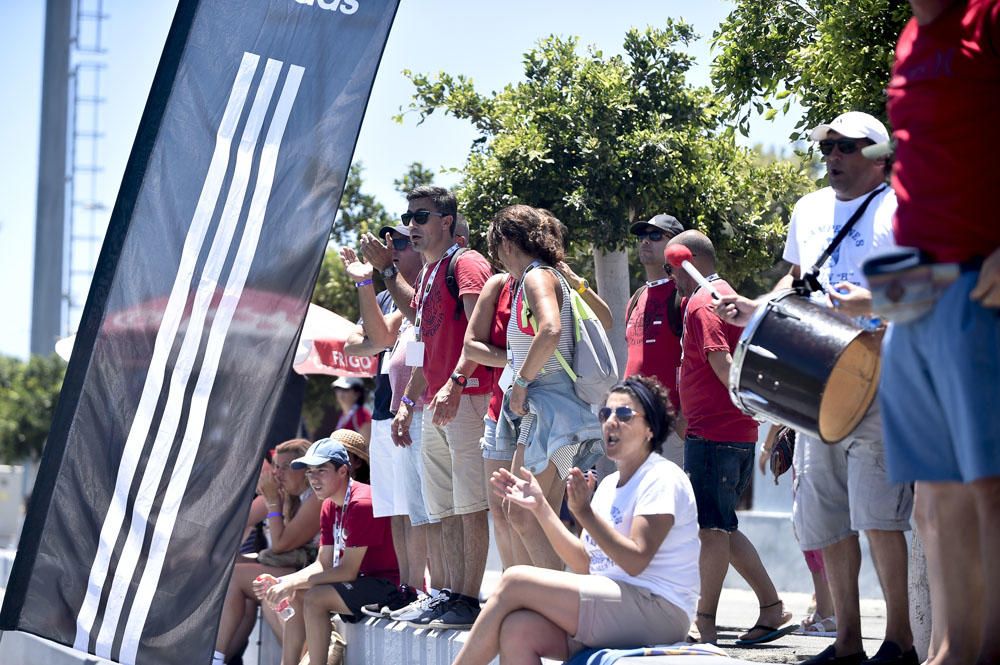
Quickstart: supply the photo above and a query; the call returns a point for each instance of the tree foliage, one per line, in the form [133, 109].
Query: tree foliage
[603, 141]
[29, 392]
[359, 212]
[416, 175]
[829, 56]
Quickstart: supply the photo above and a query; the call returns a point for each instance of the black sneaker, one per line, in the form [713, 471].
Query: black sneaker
[890, 653]
[435, 607]
[459, 614]
[399, 598]
[828, 656]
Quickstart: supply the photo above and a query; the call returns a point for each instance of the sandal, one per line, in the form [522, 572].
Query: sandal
[771, 633]
[818, 626]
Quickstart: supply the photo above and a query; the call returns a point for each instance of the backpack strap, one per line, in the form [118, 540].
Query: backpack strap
[633, 301]
[452, 283]
[675, 315]
[528, 319]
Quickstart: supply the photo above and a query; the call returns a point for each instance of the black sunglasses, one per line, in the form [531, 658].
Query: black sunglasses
[420, 216]
[400, 244]
[651, 235]
[669, 269]
[622, 413]
[846, 146]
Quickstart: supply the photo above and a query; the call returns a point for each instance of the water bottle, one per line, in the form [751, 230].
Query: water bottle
[284, 609]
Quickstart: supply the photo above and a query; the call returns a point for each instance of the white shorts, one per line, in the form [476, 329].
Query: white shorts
[382, 466]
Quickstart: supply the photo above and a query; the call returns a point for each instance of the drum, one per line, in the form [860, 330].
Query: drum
[807, 366]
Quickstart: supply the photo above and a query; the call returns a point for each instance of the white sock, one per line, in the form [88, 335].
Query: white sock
[218, 658]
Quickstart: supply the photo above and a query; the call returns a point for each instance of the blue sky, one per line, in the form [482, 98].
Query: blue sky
[482, 40]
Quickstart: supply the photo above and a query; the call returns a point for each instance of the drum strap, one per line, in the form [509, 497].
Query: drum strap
[810, 280]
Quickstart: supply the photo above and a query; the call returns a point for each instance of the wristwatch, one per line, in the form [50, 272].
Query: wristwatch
[460, 379]
[584, 285]
[390, 272]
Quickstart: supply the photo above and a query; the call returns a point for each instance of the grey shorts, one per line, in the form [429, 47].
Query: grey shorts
[844, 488]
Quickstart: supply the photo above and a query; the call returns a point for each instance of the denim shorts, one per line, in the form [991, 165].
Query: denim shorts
[489, 443]
[940, 391]
[720, 472]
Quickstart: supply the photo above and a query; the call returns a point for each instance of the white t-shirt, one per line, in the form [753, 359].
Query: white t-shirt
[659, 487]
[820, 215]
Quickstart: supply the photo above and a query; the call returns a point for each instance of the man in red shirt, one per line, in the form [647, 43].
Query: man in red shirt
[356, 564]
[940, 390]
[718, 450]
[456, 392]
[654, 318]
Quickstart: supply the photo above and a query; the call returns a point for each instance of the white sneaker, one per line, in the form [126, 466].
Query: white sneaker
[417, 607]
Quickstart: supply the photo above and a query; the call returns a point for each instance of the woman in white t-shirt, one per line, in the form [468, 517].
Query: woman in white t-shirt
[634, 570]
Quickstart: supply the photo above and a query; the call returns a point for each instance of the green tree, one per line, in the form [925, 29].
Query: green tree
[603, 142]
[829, 56]
[29, 392]
[416, 175]
[359, 212]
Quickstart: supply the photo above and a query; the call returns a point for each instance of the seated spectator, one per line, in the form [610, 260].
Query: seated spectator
[350, 393]
[634, 578]
[293, 522]
[357, 454]
[356, 564]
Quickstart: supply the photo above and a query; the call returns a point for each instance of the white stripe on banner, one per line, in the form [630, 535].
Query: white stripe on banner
[206, 379]
[164, 343]
[184, 364]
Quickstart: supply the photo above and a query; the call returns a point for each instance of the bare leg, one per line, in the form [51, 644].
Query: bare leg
[553, 594]
[435, 556]
[244, 630]
[527, 637]
[453, 543]
[948, 523]
[526, 527]
[843, 565]
[987, 493]
[317, 604]
[713, 563]
[416, 555]
[476, 546]
[293, 636]
[502, 532]
[891, 561]
[400, 525]
[747, 563]
[234, 608]
[824, 601]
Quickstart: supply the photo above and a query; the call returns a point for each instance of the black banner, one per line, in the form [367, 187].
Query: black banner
[190, 329]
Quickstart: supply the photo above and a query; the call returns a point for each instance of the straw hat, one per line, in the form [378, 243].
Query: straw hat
[353, 441]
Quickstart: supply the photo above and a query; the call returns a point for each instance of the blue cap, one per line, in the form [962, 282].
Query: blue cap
[321, 452]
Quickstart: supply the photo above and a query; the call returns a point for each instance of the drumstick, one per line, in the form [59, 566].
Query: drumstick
[679, 256]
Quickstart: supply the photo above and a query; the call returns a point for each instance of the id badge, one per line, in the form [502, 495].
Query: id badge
[415, 354]
[506, 379]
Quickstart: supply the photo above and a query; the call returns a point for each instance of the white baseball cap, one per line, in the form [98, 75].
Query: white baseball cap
[853, 125]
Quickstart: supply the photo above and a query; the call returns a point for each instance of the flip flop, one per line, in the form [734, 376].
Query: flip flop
[770, 636]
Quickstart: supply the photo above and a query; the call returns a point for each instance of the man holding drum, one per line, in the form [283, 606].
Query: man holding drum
[844, 488]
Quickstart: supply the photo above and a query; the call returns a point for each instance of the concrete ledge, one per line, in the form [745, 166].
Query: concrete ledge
[25, 649]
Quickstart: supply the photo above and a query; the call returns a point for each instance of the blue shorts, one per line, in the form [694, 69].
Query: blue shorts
[940, 391]
[720, 472]
[489, 443]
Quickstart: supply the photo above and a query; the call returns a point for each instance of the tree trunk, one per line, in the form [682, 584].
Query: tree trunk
[612, 273]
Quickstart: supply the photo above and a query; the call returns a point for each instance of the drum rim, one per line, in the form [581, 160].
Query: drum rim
[739, 354]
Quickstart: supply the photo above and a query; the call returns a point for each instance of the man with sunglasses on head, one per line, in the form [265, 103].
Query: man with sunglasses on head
[654, 319]
[844, 488]
[456, 393]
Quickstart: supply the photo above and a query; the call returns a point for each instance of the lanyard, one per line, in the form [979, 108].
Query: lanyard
[657, 282]
[427, 284]
[338, 526]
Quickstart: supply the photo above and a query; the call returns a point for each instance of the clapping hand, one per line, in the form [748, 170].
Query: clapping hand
[579, 489]
[375, 251]
[356, 269]
[524, 492]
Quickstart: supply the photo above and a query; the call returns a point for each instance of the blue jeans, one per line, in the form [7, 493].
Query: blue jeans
[720, 471]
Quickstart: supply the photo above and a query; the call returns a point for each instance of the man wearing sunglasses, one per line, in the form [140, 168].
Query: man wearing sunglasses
[653, 318]
[456, 394]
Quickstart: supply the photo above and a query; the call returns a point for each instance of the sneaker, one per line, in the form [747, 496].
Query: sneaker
[398, 599]
[459, 614]
[433, 608]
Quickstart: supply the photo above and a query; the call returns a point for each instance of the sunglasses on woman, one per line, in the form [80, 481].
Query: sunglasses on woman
[420, 217]
[846, 146]
[622, 413]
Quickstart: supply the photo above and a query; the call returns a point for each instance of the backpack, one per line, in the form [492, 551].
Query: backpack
[594, 369]
[452, 283]
[675, 313]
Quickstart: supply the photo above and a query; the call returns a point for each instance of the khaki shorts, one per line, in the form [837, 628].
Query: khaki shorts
[454, 481]
[844, 488]
[617, 614]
